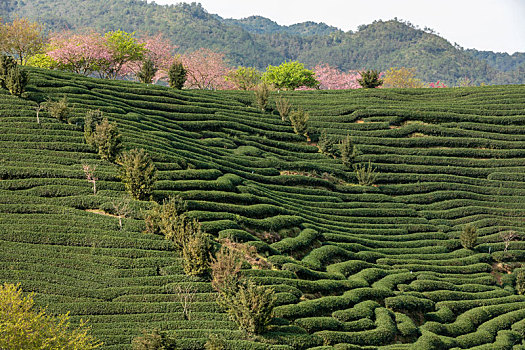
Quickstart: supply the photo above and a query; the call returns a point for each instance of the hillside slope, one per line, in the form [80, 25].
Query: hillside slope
[372, 266]
[259, 42]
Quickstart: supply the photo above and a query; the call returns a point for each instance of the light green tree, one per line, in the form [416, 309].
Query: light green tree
[22, 326]
[244, 78]
[289, 76]
[124, 48]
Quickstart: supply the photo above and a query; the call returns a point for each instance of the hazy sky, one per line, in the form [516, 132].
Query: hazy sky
[496, 25]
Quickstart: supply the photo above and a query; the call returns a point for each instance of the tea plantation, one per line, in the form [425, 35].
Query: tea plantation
[354, 267]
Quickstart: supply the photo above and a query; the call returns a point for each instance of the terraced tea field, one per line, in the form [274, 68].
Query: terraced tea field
[354, 267]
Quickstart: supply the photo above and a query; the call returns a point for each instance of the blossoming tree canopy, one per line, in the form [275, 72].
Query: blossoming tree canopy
[206, 69]
[331, 78]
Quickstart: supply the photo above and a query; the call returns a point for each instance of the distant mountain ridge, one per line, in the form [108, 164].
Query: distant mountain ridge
[257, 41]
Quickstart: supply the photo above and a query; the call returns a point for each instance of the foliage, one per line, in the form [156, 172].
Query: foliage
[206, 69]
[331, 78]
[107, 140]
[520, 282]
[196, 253]
[289, 75]
[283, 107]
[158, 219]
[347, 149]
[327, 144]
[80, 53]
[16, 80]
[244, 78]
[468, 236]
[58, 109]
[153, 340]
[124, 48]
[22, 38]
[249, 306]
[370, 79]
[177, 75]
[147, 71]
[24, 327]
[299, 119]
[215, 342]
[42, 60]
[262, 95]
[92, 118]
[137, 172]
[401, 78]
[366, 174]
[158, 50]
[7, 63]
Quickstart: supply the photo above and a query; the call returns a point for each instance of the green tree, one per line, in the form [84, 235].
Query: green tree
[196, 253]
[147, 72]
[24, 327]
[124, 48]
[401, 78]
[370, 79]
[177, 75]
[520, 282]
[107, 140]
[290, 75]
[16, 81]
[58, 109]
[299, 119]
[91, 120]
[159, 216]
[137, 172]
[347, 150]
[283, 107]
[7, 63]
[22, 38]
[244, 78]
[366, 174]
[262, 95]
[327, 144]
[468, 236]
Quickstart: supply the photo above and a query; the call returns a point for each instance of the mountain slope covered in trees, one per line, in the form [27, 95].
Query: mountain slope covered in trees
[258, 42]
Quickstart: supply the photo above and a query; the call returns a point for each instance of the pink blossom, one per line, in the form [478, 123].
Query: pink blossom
[332, 78]
[206, 70]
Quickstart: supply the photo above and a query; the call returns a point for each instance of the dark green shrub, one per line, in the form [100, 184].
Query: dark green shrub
[468, 237]
[215, 342]
[91, 120]
[147, 72]
[177, 75]
[107, 140]
[170, 208]
[370, 79]
[520, 282]
[16, 80]
[138, 173]
[58, 109]
[7, 63]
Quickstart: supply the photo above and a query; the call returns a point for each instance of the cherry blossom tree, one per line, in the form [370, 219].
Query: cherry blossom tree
[437, 84]
[331, 78]
[206, 69]
[80, 53]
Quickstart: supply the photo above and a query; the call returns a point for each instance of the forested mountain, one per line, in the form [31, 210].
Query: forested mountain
[257, 41]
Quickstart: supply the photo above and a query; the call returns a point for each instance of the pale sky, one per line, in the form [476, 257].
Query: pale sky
[495, 25]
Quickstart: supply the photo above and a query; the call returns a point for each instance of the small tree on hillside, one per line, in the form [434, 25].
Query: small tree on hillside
[147, 72]
[177, 75]
[7, 63]
[138, 173]
[262, 95]
[327, 144]
[468, 236]
[290, 75]
[161, 216]
[91, 120]
[107, 140]
[401, 78]
[299, 119]
[58, 109]
[153, 340]
[196, 250]
[366, 174]
[22, 38]
[283, 107]
[89, 171]
[244, 78]
[369, 79]
[347, 150]
[16, 81]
